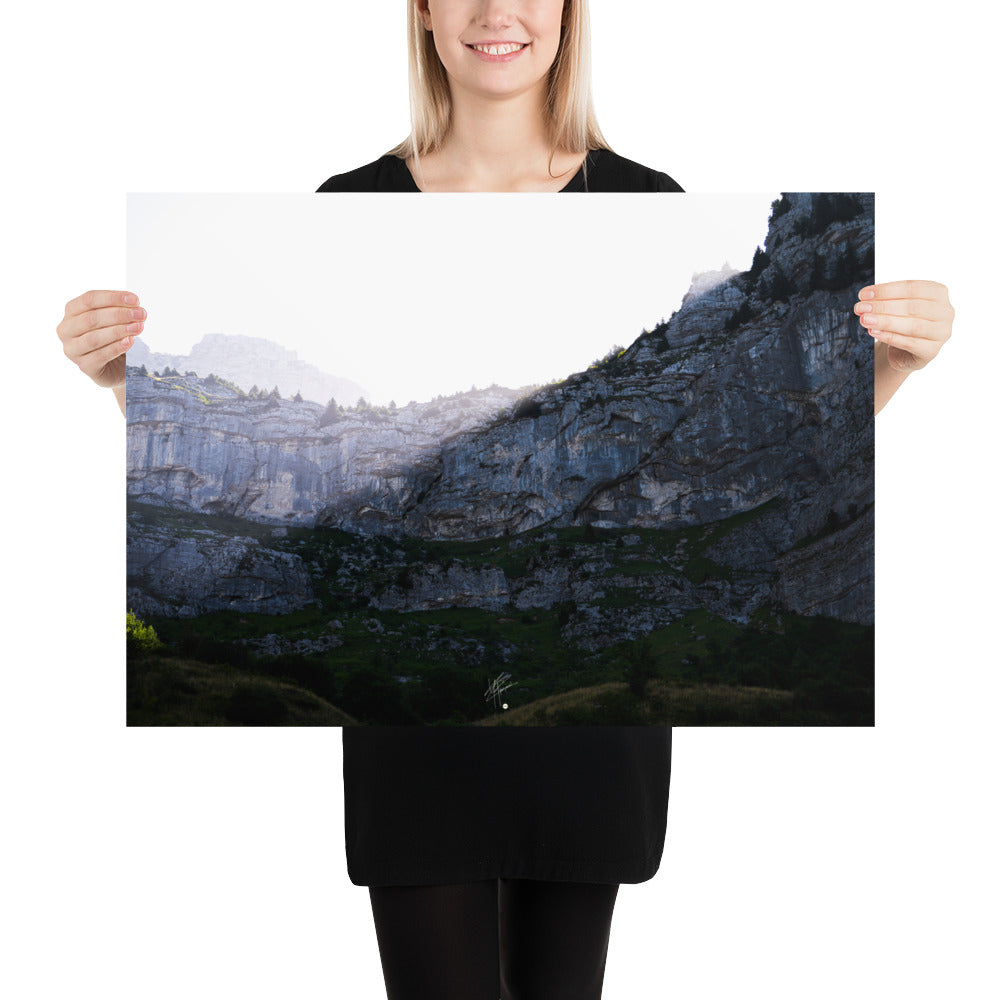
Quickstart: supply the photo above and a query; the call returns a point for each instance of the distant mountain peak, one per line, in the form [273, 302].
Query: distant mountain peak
[249, 361]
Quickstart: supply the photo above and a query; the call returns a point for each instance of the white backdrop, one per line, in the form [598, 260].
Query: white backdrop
[210, 863]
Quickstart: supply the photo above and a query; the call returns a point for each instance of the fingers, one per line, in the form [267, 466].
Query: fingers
[928, 309]
[921, 349]
[907, 351]
[97, 328]
[914, 318]
[104, 326]
[98, 300]
[926, 299]
[82, 332]
[95, 364]
[907, 325]
[931, 290]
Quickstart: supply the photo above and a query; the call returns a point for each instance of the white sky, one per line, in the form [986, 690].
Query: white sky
[499, 288]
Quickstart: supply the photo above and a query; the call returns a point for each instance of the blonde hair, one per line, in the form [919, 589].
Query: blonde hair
[571, 120]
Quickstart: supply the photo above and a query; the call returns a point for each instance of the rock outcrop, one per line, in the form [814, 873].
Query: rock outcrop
[180, 574]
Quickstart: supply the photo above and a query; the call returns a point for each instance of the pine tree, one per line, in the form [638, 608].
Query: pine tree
[779, 286]
[760, 262]
[779, 207]
[330, 414]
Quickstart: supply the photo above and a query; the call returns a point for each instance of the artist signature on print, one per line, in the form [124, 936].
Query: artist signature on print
[496, 687]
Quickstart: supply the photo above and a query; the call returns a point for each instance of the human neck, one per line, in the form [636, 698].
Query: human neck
[497, 144]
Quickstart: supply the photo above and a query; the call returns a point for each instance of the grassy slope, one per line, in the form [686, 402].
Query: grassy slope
[168, 691]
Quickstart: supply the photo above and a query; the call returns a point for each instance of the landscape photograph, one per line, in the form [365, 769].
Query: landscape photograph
[619, 476]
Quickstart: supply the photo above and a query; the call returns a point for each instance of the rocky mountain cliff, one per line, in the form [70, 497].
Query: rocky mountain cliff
[750, 408]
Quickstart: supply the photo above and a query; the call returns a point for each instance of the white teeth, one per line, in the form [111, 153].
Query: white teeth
[499, 50]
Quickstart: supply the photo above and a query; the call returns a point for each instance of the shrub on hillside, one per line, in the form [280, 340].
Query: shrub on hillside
[139, 637]
[639, 666]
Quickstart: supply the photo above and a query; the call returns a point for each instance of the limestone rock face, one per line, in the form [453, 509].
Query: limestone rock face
[184, 575]
[755, 398]
[205, 447]
[482, 587]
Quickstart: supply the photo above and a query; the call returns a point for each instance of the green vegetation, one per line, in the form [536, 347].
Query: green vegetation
[639, 665]
[757, 268]
[215, 380]
[779, 207]
[174, 691]
[331, 413]
[526, 408]
[170, 378]
[827, 209]
[613, 704]
[139, 637]
[433, 666]
[613, 355]
[741, 315]
[701, 670]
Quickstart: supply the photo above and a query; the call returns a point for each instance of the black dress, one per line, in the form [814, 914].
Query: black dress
[428, 805]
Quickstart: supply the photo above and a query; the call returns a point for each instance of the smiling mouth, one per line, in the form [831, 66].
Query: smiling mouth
[504, 49]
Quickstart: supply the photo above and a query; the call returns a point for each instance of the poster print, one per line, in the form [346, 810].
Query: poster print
[501, 460]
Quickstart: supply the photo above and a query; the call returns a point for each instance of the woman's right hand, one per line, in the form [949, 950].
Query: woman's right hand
[96, 331]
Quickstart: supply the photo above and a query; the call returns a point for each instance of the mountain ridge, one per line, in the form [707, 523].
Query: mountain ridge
[754, 398]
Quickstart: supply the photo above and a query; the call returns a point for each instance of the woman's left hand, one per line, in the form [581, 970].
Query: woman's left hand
[912, 318]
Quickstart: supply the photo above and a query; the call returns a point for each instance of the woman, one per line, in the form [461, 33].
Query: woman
[494, 857]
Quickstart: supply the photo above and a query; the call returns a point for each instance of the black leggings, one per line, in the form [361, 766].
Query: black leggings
[515, 939]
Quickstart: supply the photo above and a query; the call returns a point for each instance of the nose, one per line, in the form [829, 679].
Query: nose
[496, 14]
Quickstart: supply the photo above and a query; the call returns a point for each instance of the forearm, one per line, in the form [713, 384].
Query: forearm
[119, 391]
[887, 379]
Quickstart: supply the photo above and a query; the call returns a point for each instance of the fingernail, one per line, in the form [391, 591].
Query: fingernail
[862, 308]
[127, 342]
[130, 300]
[134, 328]
[866, 293]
